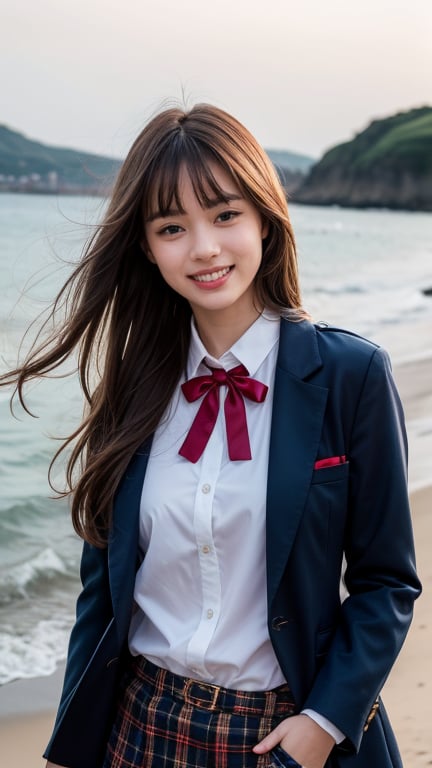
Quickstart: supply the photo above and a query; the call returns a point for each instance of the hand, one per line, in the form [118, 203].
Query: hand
[303, 739]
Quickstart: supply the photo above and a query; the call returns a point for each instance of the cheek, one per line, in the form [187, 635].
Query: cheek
[147, 248]
[255, 250]
[249, 244]
[158, 254]
[169, 266]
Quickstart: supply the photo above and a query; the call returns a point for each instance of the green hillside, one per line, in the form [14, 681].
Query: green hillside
[387, 164]
[404, 140]
[22, 157]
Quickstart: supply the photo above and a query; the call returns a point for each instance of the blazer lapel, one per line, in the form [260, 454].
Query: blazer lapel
[298, 412]
[123, 542]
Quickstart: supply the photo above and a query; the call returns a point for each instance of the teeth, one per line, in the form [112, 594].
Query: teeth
[211, 276]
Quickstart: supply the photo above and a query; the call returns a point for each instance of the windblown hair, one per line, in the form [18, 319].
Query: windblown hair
[130, 329]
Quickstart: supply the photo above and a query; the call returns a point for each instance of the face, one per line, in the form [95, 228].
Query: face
[210, 255]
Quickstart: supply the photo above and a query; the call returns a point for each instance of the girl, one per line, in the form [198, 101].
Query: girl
[232, 453]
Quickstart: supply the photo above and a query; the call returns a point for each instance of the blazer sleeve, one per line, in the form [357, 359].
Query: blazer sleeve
[93, 614]
[380, 572]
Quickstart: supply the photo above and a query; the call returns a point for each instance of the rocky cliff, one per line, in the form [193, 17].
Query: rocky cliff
[388, 165]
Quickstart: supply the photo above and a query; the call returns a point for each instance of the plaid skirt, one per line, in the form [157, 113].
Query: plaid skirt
[167, 721]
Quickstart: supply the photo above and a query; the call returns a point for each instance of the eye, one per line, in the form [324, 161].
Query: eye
[228, 215]
[170, 229]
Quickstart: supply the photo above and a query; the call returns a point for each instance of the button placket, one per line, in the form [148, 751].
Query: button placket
[208, 562]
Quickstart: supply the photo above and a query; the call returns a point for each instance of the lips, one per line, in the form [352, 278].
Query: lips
[210, 277]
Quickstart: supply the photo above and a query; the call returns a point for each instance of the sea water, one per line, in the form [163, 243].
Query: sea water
[362, 270]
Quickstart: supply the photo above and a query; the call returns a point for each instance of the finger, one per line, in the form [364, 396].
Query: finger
[269, 742]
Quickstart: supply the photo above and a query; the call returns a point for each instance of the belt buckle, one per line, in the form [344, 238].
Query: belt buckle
[188, 696]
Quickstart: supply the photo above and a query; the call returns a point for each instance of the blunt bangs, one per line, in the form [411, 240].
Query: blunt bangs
[162, 186]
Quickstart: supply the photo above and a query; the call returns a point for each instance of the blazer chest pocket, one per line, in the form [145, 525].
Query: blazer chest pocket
[331, 474]
[328, 501]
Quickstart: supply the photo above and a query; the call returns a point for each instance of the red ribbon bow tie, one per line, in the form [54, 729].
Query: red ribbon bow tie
[239, 385]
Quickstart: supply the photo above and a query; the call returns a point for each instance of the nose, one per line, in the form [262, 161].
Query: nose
[204, 245]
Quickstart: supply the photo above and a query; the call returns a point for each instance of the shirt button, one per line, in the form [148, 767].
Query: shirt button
[205, 549]
[206, 488]
[209, 613]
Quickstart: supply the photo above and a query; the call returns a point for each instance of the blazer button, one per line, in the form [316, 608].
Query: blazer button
[278, 622]
[111, 662]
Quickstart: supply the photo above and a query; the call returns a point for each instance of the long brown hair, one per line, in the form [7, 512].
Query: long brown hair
[130, 328]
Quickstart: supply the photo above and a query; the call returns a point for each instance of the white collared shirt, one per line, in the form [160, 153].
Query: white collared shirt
[201, 588]
[202, 585]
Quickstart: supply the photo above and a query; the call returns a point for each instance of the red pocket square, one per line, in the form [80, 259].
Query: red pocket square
[330, 462]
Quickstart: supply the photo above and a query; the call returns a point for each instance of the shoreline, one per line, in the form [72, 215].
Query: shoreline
[414, 381]
[27, 712]
[407, 692]
[27, 706]
[105, 192]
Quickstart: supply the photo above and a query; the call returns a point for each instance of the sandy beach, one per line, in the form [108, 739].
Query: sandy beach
[27, 707]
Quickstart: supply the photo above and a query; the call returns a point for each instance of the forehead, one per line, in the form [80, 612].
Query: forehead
[217, 188]
[208, 182]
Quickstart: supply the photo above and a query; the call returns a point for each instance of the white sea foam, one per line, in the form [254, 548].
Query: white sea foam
[16, 580]
[33, 654]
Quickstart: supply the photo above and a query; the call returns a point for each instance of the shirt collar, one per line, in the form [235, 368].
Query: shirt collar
[250, 350]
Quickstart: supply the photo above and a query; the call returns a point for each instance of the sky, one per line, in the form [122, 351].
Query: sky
[302, 75]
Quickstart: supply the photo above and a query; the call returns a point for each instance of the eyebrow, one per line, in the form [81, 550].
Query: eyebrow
[213, 203]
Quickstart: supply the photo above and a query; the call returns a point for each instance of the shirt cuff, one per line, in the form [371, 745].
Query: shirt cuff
[327, 725]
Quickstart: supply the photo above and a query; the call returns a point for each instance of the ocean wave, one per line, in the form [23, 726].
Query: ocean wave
[35, 653]
[323, 226]
[336, 290]
[23, 508]
[28, 525]
[45, 567]
[24, 456]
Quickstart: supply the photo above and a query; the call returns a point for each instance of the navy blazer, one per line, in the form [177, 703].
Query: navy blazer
[334, 396]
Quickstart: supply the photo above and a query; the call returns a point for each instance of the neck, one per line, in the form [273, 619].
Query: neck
[219, 332]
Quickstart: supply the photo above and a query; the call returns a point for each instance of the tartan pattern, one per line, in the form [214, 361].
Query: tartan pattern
[168, 721]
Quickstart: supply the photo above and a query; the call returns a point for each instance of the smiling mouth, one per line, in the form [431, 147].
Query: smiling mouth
[210, 277]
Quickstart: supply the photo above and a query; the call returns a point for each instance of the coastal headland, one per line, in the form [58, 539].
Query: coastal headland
[388, 165]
